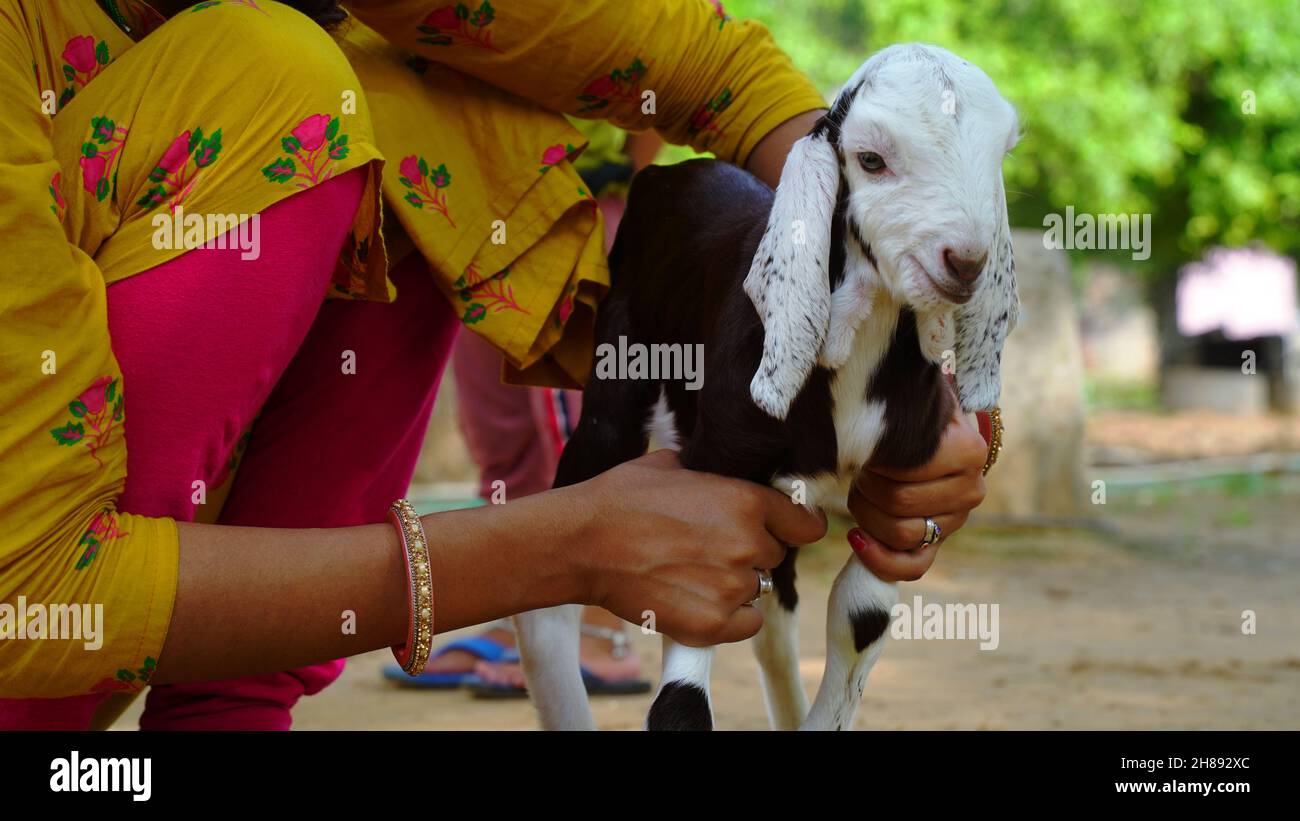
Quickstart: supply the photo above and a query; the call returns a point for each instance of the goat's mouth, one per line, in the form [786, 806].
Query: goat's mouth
[947, 291]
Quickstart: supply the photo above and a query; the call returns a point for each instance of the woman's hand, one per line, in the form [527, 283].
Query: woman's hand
[685, 546]
[891, 506]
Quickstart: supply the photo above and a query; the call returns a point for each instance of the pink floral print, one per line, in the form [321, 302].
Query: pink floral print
[492, 294]
[554, 155]
[83, 59]
[704, 121]
[315, 144]
[454, 24]
[99, 156]
[565, 309]
[60, 205]
[719, 13]
[103, 529]
[96, 414]
[178, 169]
[426, 185]
[620, 85]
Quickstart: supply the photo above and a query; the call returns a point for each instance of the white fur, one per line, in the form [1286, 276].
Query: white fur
[548, 647]
[855, 589]
[791, 293]
[942, 129]
[777, 649]
[661, 427]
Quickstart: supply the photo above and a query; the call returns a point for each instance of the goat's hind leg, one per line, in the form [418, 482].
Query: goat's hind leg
[857, 621]
[610, 431]
[683, 701]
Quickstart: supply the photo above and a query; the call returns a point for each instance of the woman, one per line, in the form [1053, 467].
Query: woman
[137, 135]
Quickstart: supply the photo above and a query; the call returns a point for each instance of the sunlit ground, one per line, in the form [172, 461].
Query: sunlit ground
[1135, 624]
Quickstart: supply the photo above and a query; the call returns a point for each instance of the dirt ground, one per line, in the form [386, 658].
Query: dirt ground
[1134, 625]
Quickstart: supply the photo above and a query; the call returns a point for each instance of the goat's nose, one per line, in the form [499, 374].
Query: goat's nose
[964, 266]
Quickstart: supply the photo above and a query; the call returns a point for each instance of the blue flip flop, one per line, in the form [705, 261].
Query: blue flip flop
[596, 686]
[481, 647]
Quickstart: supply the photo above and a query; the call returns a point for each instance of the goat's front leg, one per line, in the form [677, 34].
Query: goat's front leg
[777, 649]
[857, 620]
[682, 702]
[548, 647]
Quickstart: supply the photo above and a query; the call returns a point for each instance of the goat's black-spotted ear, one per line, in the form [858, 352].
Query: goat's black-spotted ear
[983, 325]
[788, 279]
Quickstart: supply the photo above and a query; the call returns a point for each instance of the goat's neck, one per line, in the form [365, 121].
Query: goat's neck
[858, 425]
[871, 339]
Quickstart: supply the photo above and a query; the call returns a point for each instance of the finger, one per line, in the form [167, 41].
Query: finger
[963, 491]
[743, 624]
[769, 552]
[891, 565]
[902, 533]
[789, 522]
[961, 449]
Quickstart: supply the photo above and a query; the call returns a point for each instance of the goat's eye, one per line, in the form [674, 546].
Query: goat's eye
[871, 162]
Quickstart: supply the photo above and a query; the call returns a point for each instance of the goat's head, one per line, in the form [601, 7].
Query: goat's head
[909, 162]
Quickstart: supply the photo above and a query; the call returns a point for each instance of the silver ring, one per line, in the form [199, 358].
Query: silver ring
[765, 585]
[932, 533]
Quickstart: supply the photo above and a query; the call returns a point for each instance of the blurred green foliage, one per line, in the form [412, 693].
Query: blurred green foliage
[1128, 106]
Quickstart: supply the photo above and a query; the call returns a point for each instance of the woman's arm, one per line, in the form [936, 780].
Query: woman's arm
[645, 536]
[678, 66]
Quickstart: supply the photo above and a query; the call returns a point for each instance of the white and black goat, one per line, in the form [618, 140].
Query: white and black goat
[826, 311]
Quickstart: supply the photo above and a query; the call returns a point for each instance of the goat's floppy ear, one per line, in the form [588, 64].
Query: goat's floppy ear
[983, 325]
[788, 280]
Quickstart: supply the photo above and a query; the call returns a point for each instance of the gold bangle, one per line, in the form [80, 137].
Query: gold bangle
[995, 439]
[414, 654]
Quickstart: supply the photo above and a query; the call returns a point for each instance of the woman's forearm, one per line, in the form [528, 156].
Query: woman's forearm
[646, 536]
[768, 157]
[290, 597]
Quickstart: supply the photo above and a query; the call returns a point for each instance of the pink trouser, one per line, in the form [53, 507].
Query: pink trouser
[208, 343]
[513, 434]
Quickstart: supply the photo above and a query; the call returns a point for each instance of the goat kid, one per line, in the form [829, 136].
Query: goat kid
[826, 312]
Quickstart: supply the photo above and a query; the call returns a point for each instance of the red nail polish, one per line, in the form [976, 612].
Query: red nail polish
[857, 540]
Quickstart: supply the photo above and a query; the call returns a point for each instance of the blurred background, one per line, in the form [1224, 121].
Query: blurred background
[1140, 531]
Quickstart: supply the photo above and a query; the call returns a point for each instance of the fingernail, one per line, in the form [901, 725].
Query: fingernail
[858, 540]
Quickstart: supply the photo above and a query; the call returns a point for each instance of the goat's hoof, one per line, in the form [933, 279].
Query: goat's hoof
[680, 706]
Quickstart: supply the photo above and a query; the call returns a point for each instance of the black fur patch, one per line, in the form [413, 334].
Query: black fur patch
[830, 124]
[918, 401]
[680, 706]
[868, 625]
[839, 223]
[783, 581]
